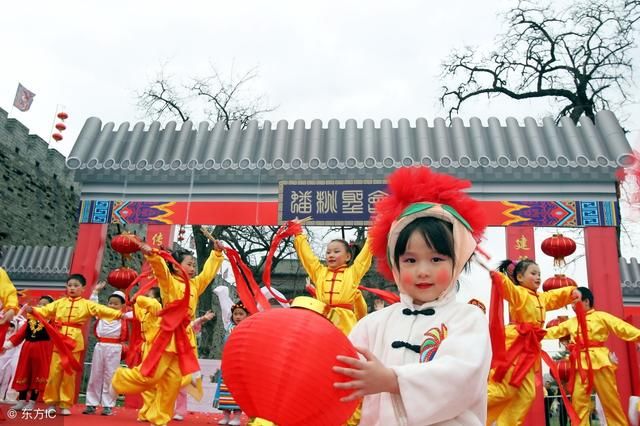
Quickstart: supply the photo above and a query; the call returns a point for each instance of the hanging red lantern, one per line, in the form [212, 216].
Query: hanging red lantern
[558, 281]
[61, 126]
[62, 115]
[564, 369]
[558, 246]
[125, 243]
[57, 137]
[122, 277]
[258, 358]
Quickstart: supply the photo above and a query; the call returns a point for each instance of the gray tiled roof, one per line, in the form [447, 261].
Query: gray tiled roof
[270, 153]
[37, 263]
[630, 276]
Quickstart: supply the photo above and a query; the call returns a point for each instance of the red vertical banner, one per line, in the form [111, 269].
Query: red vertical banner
[603, 274]
[634, 357]
[520, 245]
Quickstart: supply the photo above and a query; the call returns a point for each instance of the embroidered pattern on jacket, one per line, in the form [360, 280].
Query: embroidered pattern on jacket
[431, 343]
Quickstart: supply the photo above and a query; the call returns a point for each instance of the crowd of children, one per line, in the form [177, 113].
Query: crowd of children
[425, 360]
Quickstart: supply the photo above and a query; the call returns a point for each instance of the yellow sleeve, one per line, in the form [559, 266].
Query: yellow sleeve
[557, 298]
[516, 296]
[8, 294]
[360, 305]
[209, 271]
[309, 261]
[161, 272]
[362, 263]
[149, 304]
[620, 328]
[103, 312]
[559, 331]
[49, 310]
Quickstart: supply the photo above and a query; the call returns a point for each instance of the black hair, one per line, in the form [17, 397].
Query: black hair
[519, 268]
[117, 296]
[352, 248]
[178, 255]
[586, 295]
[49, 298]
[78, 277]
[437, 233]
[156, 294]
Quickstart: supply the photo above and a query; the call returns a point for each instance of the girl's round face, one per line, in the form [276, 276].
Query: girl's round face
[189, 265]
[530, 278]
[337, 255]
[238, 315]
[424, 273]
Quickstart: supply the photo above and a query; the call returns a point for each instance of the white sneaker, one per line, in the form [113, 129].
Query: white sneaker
[19, 405]
[65, 412]
[29, 406]
[52, 409]
[224, 420]
[235, 421]
[178, 417]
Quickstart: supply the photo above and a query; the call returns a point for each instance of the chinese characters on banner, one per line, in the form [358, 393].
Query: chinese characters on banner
[520, 243]
[330, 202]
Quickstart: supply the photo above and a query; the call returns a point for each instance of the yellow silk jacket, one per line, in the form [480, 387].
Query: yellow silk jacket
[527, 306]
[8, 294]
[71, 314]
[147, 311]
[172, 287]
[599, 325]
[338, 289]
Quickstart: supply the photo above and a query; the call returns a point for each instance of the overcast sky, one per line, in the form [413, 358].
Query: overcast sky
[329, 59]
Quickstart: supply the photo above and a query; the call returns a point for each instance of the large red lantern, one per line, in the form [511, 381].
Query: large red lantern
[278, 366]
[125, 243]
[122, 277]
[558, 281]
[558, 246]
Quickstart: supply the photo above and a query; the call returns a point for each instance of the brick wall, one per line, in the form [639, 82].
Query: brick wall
[38, 197]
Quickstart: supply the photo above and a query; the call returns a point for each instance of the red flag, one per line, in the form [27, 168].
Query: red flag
[24, 98]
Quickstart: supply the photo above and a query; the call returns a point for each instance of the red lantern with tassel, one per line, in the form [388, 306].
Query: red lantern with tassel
[558, 281]
[61, 126]
[57, 137]
[125, 244]
[564, 369]
[62, 115]
[257, 367]
[558, 246]
[122, 277]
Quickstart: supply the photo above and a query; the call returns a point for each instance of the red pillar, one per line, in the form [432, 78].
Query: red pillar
[87, 260]
[634, 357]
[520, 244]
[604, 282]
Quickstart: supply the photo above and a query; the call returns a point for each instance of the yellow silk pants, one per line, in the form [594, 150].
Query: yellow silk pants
[605, 386]
[61, 386]
[165, 381]
[509, 405]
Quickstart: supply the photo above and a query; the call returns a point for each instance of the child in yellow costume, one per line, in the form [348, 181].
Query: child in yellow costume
[591, 364]
[165, 364]
[8, 299]
[70, 314]
[512, 388]
[337, 282]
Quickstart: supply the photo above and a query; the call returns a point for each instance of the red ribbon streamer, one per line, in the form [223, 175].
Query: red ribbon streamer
[553, 368]
[64, 345]
[385, 295]
[246, 285]
[289, 229]
[496, 320]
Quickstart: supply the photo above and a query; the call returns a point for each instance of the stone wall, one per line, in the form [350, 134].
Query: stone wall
[39, 200]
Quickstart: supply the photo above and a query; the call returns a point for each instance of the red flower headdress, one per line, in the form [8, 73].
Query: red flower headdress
[419, 192]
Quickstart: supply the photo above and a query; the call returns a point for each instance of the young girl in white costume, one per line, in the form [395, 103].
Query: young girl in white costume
[426, 359]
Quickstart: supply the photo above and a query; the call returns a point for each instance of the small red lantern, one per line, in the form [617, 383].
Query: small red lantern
[61, 126]
[62, 115]
[558, 281]
[125, 243]
[57, 137]
[258, 367]
[558, 246]
[122, 277]
[564, 369]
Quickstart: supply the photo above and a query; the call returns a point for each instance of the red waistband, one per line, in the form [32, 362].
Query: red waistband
[108, 339]
[342, 305]
[69, 324]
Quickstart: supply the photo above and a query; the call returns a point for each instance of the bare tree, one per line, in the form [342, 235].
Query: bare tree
[578, 56]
